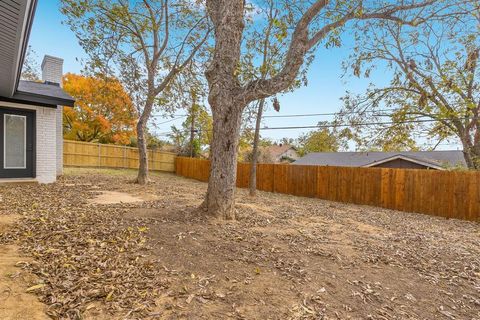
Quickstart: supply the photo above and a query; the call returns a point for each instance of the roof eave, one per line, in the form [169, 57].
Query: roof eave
[29, 16]
[37, 98]
[423, 163]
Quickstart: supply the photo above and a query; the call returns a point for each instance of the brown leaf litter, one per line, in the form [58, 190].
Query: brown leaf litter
[284, 258]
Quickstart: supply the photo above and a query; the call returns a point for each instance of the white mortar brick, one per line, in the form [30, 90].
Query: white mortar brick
[59, 142]
[52, 71]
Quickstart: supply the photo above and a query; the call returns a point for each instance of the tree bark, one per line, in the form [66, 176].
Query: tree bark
[472, 156]
[475, 151]
[142, 177]
[256, 139]
[192, 131]
[220, 198]
[224, 87]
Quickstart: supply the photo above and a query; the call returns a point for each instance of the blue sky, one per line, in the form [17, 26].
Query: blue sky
[322, 95]
[49, 36]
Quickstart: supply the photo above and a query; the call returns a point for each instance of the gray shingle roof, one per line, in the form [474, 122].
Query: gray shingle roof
[361, 159]
[45, 93]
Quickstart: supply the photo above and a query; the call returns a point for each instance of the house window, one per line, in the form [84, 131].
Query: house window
[15, 142]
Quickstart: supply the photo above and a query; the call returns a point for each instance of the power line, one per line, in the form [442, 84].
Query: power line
[325, 114]
[325, 126]
[313, 115]
[165, 116]
[171, 120]
[445, 144]
[358, 124]
[310, 114]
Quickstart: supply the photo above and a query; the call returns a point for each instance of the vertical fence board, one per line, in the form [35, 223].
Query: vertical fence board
[265, 177]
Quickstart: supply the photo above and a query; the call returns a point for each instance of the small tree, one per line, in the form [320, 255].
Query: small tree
[311, 23]
[198, 122]
[188, 93]
[178, 138]
[146, 43]
[322, 140]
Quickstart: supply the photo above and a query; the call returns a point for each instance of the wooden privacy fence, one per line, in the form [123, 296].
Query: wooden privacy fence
[449, 194]
[84, 154]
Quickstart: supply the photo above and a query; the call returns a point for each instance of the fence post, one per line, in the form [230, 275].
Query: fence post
[273, 178]
[125, 157]
[153, 160]
[99, 155]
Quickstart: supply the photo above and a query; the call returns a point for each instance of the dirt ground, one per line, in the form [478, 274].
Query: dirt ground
[96, 252]
[16, 300]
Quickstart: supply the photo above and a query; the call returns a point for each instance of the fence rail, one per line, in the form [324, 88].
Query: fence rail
[84, 154]
[448, 194]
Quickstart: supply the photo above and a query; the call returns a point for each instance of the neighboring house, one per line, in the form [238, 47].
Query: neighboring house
[31, 133]
[281, 153]
[437, 160]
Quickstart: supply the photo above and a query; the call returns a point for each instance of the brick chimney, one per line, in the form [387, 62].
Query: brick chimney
[52, 73]
[52, 69]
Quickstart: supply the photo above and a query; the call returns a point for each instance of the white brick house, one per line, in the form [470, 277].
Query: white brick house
[31, 131]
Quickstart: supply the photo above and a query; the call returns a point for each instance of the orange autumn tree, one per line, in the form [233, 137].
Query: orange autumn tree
[103, 111]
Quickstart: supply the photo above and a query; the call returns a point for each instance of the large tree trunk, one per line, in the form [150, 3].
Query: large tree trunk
[256, 139]
[220, 198]
[226, 105]
[142, 177]
[475, 150]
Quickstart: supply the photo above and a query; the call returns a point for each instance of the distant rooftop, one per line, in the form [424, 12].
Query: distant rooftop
[365, 159]
[277, 149]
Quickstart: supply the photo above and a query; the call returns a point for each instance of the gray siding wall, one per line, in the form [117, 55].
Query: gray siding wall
[400, 163]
